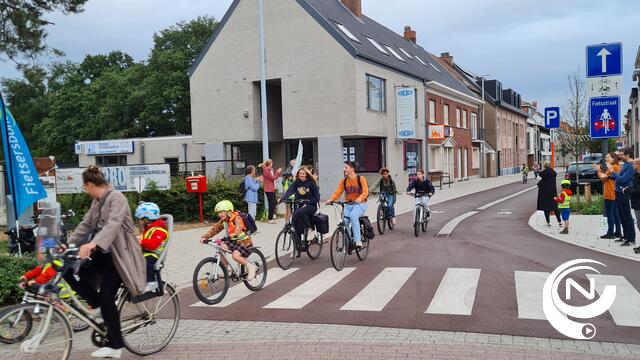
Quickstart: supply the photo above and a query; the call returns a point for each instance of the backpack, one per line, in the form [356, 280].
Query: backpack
[344, 184]
[242, 189]
[249, 223]
[369, 233]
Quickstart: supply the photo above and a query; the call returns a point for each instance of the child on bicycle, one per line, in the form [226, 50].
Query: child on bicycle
[237, 239]
[387, 189]
[304, 188]
[154, 237]
[424, 190]
[525, 173]
[42, 274]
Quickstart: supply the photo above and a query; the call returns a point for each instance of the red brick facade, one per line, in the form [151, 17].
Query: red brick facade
[453, 160]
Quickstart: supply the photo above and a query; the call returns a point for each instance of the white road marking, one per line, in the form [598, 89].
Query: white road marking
[311, 289]
[377, 294]
[626, 309]
[456, 293]
[485, 207]
[448, 228]
[240, 291]
[529, 286]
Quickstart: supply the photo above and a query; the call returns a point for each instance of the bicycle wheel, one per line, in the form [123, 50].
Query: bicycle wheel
[77, 324]
[416, 223]
[149, 326]
[381, 219]
[286, 250]
[14, 325]
[338, 249]
[50, 337]
[314, 246]
[209, 284]
[363, 252]
[390, 224]
[256, 258]
[425, 221]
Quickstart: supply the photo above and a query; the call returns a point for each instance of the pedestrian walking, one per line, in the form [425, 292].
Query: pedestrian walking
[547, 190]
[614, 227]
[624, 179]
[269, 177]
[525, 173]
[634, 194]
[536, 170]
[251, 186]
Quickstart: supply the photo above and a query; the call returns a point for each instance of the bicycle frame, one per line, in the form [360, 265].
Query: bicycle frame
[220, 253]
[342, 225]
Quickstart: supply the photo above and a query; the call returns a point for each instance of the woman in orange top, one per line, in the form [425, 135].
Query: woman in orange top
[609, 191]
[356, 190]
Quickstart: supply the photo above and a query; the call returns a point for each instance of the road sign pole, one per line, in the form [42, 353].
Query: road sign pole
[605, 151]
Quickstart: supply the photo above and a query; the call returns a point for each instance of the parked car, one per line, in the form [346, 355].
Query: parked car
[587, 175]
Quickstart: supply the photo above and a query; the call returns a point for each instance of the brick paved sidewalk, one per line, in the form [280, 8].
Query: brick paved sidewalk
[201, 339]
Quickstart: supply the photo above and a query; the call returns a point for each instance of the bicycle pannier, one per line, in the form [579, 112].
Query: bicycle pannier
[321, 223]
[367, 227]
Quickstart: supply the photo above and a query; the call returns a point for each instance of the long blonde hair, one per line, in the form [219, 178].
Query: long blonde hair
[309, 175]
[267, 162]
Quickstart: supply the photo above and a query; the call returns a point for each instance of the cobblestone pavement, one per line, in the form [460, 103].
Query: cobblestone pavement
[199, 339]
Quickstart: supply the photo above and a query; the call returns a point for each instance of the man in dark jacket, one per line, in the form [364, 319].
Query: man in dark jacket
[624, 179]
[547, 190]
[634, 193]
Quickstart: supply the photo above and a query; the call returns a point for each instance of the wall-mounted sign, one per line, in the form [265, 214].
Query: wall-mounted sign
[436, 132]
[122, 178]
[108, 147]
[406, 113]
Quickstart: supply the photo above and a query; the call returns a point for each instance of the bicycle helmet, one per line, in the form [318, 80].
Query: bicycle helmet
[148, 210]
[566, 183]
[224, 205]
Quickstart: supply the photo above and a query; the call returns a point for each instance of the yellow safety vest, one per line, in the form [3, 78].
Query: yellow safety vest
[157, 252]
[566, 204]
[243, 235]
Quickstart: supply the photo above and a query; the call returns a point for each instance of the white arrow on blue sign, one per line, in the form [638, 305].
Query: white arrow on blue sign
[552, 117]
[604, 116]
[604, 60]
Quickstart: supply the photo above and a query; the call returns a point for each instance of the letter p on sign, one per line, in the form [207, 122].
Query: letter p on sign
[552, 117]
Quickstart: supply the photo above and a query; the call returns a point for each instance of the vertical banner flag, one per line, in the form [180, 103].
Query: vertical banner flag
[22, 175]
[298, 159]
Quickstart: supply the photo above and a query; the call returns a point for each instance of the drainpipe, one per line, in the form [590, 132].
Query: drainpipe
[426, 127]
[142, 158]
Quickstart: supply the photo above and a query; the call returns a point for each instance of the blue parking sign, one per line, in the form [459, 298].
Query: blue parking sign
[552, 117]
[604, 60]
[604, 116]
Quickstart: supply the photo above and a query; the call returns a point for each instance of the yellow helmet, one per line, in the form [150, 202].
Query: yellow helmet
[224, 205]
[565, 183]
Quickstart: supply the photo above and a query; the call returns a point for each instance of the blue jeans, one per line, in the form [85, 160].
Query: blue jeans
[352, 214]
[624, 211]
[613, 220]
[391, 200]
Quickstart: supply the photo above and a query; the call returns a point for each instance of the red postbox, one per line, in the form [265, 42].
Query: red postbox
[197, 185]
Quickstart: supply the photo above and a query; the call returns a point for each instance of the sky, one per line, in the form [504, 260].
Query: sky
[530, 46]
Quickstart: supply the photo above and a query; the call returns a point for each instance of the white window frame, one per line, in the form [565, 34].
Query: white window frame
[395, 53]
[465, 118]
[378, 46]
[446, 114]
[458, 117]
[432, 112]
[434, 67]
[474, 125]
[384, 93]
[475, 158]
[405, 53]
[421, 61]
[346, 31]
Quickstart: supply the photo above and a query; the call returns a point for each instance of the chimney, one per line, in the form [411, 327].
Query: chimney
[355, 6]
[447, 58]
[409, 34]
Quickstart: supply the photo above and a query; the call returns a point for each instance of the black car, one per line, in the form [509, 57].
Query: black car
[586, 175]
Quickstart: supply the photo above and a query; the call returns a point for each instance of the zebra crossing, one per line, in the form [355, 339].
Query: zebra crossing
[455, 293]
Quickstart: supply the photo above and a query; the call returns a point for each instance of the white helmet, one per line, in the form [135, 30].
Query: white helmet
[148, 210]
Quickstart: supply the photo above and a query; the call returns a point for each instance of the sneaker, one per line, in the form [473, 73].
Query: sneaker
[636, 249]
[359, 244]
[628, 243]
[393, 221]
[549, 224]
[607, 236]
[107, 352]
[620, 240]
[564, 231]
[151, 286]
[251, 271]
[560, 224]
[272, 221]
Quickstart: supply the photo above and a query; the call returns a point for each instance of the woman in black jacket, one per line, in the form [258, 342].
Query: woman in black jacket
[305, 188]
[547, 190]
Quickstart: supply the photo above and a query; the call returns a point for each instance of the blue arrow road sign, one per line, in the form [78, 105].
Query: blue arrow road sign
[552, 117]
[604, 60]
[604, 115]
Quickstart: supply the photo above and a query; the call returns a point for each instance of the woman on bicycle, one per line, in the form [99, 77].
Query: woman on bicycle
[305, 189]
[116, 257]
[424, 189]
[387, 189]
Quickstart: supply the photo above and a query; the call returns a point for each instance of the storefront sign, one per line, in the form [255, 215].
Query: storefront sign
[406, 113]
[436, 132]
[49, 183]
[109, 147]
[122, 178]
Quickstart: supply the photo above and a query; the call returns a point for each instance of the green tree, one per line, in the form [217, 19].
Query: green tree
[23, 26]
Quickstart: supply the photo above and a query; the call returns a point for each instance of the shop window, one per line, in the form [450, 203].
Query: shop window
[475, 158]
[112, 160]
[368, 154]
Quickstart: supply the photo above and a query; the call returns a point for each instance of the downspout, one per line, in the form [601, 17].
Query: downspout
[426, 127]
[142, 157]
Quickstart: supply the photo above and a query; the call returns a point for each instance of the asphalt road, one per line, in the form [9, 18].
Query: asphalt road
[464, 282]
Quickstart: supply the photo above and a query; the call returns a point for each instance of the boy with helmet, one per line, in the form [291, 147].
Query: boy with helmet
[564, 204]
[42, 274]
[154, 237]
[237, 238]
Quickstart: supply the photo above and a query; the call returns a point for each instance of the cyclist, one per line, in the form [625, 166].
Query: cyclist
[422, 187]
[305, 188]
[154, 237]
[356, 190]
[236, 240]
[387, 189]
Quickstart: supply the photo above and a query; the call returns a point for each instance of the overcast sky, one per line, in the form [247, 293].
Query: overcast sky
[529, 45]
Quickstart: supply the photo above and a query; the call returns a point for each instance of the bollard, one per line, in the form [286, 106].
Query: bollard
[587, 194]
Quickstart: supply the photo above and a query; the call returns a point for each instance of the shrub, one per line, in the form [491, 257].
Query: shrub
[11, 268]
[596, 207]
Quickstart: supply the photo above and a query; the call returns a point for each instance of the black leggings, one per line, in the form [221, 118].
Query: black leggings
[548, 218]
[271, 199]
[105, 298]
[302, 218]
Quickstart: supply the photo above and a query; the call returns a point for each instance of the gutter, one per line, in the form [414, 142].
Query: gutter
[438, 86]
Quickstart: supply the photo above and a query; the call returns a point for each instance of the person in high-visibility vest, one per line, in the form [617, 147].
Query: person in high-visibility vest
[564, 204]
[42, 274]
[154, 238]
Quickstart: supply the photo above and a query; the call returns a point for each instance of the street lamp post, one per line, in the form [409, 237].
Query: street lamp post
[263, 89]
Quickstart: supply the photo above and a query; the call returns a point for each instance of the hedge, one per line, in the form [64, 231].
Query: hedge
[11, 268]
[176, 201]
